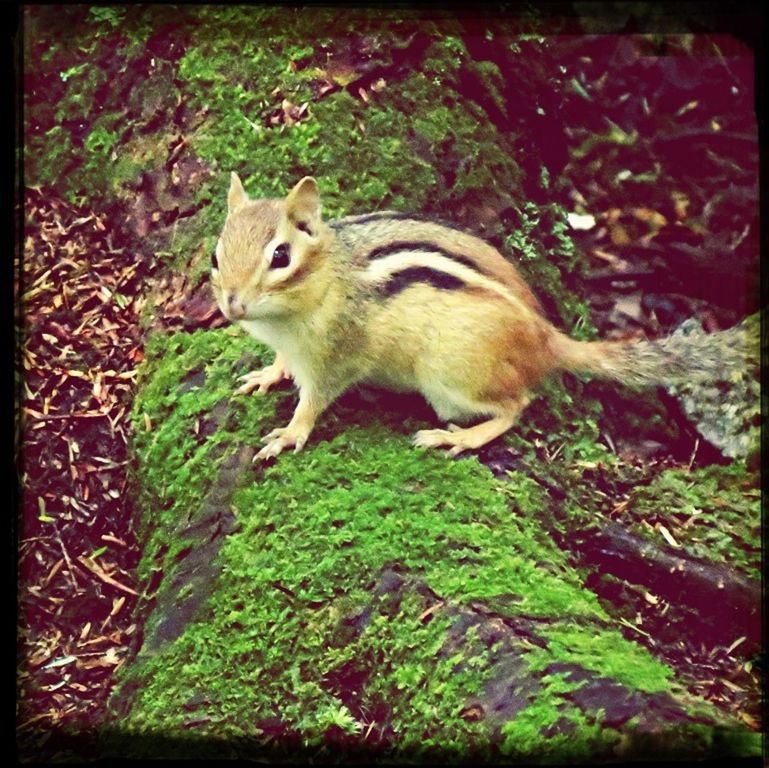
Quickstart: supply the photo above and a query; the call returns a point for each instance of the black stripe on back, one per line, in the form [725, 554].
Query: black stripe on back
[402, 279]
[424, 246]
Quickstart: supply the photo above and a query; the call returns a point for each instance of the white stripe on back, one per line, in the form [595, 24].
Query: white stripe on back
[379, 271]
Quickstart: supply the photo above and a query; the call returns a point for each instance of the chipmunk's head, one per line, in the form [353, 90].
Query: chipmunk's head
[268, 257]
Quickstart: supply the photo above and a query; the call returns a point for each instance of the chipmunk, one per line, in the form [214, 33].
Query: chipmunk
[402, 303]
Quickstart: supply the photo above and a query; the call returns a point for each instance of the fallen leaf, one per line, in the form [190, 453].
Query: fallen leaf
[735, 644]
[61, 662]
[668, 536]
[105, 577]
[117, 604]
[581, 222]
[750, 721]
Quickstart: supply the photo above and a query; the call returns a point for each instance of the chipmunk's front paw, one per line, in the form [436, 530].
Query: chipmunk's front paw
[279, 439]
[261, 380]
[441, 438]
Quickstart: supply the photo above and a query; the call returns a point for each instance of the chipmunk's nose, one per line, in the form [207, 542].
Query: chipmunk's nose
[236, 309]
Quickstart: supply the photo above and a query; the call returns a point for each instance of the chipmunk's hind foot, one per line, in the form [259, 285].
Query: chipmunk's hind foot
[458, 439]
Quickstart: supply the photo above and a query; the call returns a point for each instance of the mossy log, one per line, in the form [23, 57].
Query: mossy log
[365, 596]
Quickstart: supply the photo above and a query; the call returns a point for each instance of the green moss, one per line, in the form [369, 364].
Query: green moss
[392, 145]
[552, 265]
[572, 644]
[366, 495]
[47, 168]
[75, 139]
[193, 238]
[388, 516]
[109, 16]
[180, 468]
[491, 82]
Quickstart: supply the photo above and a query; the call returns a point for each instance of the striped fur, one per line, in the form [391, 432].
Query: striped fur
[422, 246]
[392, 273]
[374, 237]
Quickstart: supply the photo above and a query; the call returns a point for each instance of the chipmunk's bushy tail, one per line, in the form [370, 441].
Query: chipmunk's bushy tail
[680, 357]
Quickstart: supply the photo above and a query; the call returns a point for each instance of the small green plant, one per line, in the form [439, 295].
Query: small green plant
[110, 15]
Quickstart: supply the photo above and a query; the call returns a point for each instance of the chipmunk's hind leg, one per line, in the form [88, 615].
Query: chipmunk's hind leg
[459, 439]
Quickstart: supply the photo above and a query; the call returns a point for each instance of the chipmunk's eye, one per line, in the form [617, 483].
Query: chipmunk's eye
[304, 227]
[214, 260]
[281, 256]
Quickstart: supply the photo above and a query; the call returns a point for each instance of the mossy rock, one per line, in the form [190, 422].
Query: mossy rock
[364, 595]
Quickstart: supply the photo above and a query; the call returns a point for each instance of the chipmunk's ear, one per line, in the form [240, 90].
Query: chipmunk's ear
[237, 196]
[303, 201]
